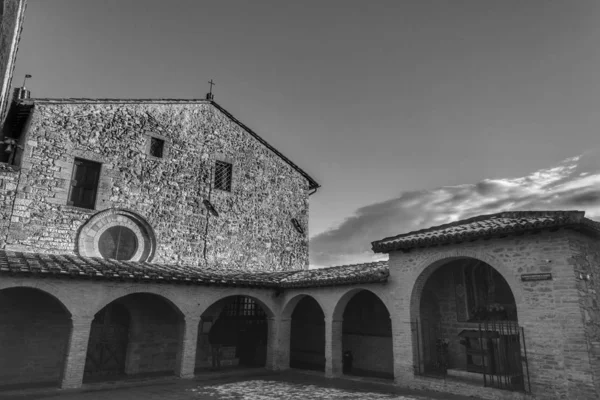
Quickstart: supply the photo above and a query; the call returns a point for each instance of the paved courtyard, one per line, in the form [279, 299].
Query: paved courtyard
[276, 387]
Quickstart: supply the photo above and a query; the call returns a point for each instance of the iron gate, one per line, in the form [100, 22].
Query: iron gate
[494, 349]
[107, 347]
[245, 319]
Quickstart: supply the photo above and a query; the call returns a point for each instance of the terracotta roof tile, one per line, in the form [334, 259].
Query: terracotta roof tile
[487, 226]
[77, 267]
[340, 275]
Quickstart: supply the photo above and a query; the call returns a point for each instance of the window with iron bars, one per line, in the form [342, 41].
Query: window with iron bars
[223, 174]
[243, 306]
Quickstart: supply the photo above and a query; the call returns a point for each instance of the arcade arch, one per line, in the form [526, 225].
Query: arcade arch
[34, 334]
[307, 335]
[367, 336]
[135, 334]
[463, 307]
[233, 331]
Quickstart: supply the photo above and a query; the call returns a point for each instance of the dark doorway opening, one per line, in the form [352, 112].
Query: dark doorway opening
[239, 332]
[34, 335]
[367, 337]
[307, 340]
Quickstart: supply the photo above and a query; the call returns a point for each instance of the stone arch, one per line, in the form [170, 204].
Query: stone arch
[88, 235]
[216, 302]
[428, 266]
[366, 333]
[162, 292]
[291, 304]
[342, 302]
[450, 325]
[43, 286]
[306, 318]
[35, 326]
[135, 332]
[234, 328]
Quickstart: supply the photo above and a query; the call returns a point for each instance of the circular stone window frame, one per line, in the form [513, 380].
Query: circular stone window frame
[89, 235]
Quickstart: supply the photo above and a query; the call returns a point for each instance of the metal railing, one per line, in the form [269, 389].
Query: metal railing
[495, 350]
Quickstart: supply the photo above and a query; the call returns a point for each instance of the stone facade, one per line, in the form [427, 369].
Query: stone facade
[12, 14]
[253, 230]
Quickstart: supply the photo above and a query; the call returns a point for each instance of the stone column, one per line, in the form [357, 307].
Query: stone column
[405, 340]
[72, 376]
[186, 355]
[333, 347]
[278, 344]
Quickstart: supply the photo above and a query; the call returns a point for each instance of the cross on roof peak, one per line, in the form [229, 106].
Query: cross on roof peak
[209, 95]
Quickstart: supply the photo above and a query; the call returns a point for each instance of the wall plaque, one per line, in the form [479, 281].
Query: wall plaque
[545, 276]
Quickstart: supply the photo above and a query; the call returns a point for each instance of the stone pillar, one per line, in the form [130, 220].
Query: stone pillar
[186, 355]
[72, 376]
[278, 344]
[333, 347]
[404, 341]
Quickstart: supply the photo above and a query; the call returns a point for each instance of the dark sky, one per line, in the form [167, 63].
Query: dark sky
[374, 99]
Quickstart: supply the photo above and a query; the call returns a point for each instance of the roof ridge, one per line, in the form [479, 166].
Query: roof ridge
[74, 265]
[502, 223]
[502, 214]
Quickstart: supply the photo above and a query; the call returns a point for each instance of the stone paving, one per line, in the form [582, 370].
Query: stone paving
[267, 389]
[274, 387]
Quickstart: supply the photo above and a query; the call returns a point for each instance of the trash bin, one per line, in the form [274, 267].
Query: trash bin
[347, 359]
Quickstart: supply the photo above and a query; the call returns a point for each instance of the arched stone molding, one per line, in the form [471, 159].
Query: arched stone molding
[290, 306]
[284, 322]
[214, 303]
[90, 232]
[49, 343]
[165, 293]
[337, 313]
[409, 294]
[416, 281]
[334, 317]
[61, 295]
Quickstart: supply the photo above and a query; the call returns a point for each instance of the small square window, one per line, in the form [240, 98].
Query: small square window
[156, 147]
[223, 173]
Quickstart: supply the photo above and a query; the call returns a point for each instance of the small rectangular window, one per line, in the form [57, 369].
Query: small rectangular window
[156, 147]
[84, 183]
[223, 173]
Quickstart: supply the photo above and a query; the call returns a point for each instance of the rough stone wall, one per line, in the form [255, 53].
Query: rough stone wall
[253, 230]
[549, 311]
[33, 337]
[12, 13]
[8, 185]
[586, 260]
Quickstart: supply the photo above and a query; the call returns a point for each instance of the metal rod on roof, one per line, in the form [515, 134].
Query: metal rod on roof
[27, 76]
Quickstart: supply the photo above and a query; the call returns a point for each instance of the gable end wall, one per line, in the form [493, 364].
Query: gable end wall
[253, 230]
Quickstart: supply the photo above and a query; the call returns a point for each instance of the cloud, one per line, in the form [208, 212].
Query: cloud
[574, 184]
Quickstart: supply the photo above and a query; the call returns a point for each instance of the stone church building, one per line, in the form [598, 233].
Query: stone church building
[137, 237]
